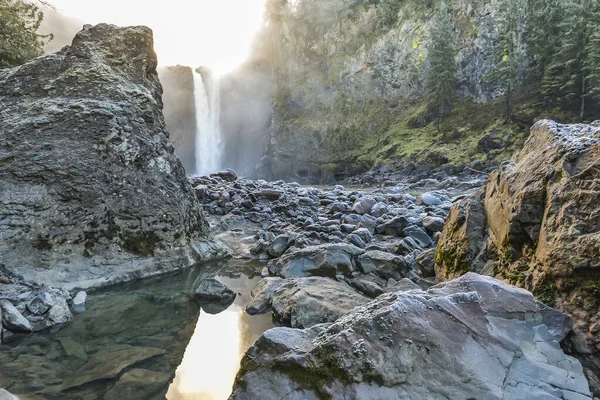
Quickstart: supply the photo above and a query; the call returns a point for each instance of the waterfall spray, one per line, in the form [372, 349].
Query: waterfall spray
[208, 133]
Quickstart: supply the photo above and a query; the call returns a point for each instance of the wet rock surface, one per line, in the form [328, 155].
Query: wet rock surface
[474, 337]
[89, 181]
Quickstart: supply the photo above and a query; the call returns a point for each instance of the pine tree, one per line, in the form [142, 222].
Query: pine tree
[19, 40]
[509, 52]
[591, 63]
[544, 19]
[442, 74]
[566, 81]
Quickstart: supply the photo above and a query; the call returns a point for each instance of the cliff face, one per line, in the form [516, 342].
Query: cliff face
[179, 111]
[91, 191]
[349, 87]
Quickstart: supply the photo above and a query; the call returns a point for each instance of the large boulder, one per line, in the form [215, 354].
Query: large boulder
[324, 260]
[305, 302]
[473, 338]
[91, 191]
[537, 225]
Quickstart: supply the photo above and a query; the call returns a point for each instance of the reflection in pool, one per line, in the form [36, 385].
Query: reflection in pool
[213, 355]
[132, 339]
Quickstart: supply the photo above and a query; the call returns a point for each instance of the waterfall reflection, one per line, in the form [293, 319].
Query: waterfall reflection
[213, 355]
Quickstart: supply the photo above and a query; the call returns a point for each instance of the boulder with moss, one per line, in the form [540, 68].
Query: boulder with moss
[537, 225]
[91, 191]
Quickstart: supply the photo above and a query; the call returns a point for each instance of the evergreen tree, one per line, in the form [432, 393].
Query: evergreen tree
[566, 81]
[509, 52]
[544, 18]
[591, 64]
[19, 40]
[442, 74]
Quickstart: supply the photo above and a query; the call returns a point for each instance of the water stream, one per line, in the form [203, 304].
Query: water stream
[142, 340]
[208, 143]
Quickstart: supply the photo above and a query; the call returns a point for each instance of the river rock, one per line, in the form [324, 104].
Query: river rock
[5, 395]
[429, 199]
[536, 224]
[277, 246]
[261, 295]
[323, 260]
[40, 304]
[139, 384]
[79, 302]
[89, 178]
[433, 224]
[227, 174]
[213, 291]
[304, 302]
[394, 348]
[385, 264]
[396, 226]
[363, 205]
[12, 319]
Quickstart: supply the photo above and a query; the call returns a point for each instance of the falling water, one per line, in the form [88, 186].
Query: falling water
[208, 133]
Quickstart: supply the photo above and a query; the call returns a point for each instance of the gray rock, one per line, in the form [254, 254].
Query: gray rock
[356, 240]
[367, 287]
[426, 263]
[304, 302]
[339, 207]
[379, 210]
[277, 246]
[403, 285]
[364, 234]
[227, 175]
[385, 264]
[429, 199]
[261, 295]
[5, 395]
[323, 260]
[418, 235]
[433, 224]
[396, 226]
[363, 205]
[408, 245]
[493, 339]
[12, 319]
[40, 304]
[59, 313]
[131, 210]
[79, 302]
[213, 291]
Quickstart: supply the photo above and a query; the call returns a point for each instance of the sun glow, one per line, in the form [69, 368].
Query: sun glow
[213, 33]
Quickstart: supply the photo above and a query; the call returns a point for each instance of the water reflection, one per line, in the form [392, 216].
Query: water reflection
[213, 355]
[133, 338]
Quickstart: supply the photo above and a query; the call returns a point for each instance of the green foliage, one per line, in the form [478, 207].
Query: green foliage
[442, 74]
[544, 19]
[388, 10]
[591, 64]
[567, 79]
[19, 40]
[509, 52]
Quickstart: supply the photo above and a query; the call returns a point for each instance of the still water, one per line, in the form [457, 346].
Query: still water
[143, 340]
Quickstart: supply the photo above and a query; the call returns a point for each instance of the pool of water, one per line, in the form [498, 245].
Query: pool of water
[142, 340]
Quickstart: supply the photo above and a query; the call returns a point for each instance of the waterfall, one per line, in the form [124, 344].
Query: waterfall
[208, 133]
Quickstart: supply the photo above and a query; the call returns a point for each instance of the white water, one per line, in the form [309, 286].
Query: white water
[208, 133]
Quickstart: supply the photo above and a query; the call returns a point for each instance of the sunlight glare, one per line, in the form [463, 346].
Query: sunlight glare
[212, 33]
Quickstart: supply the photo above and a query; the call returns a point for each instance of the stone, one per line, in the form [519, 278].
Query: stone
[305, 302]
[12, 319]
[379, 210]
[213, 291]
[426, 263]
[363, 205]
[493, 337]
[323, 260]
[59, 313]
[386, 265]
[418, 235]
[364, 234]
[367, 287]
[79, 302]
[261, 295]
[40, 304]
[138, 383]
[270, 194]
[226, 174]
[356, 240]
[433, 224]
[535, 224]
[429, 199]
[396, 226]
[5, 395]
[339, 206]
[404, 285]
[277, 246]
[110, 363]
[131, 211]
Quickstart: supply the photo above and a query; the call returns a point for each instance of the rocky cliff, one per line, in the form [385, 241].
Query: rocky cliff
[91, 191]
[536, 224]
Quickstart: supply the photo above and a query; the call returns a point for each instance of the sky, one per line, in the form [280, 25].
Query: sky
[213, 33]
